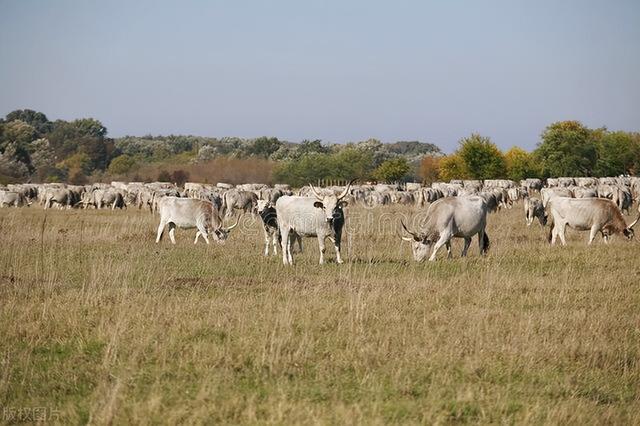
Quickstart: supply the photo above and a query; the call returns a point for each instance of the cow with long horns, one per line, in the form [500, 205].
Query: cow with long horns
[588, 214]
[320, 216]
[447, 218]
[189, 213]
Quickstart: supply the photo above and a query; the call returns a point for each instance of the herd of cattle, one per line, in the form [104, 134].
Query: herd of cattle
[457, 209]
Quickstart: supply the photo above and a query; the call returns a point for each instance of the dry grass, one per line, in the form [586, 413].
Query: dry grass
[103, 325]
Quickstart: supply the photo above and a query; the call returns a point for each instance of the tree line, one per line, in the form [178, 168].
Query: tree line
[35, 149]
[566, 148]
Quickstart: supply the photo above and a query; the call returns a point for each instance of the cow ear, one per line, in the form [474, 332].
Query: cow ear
[343, 204]
[318, 204]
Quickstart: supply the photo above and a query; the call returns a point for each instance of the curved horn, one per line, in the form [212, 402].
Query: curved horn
[346, 190]
[413, 234]
[318, 196]
[634, 222]
[234, 225]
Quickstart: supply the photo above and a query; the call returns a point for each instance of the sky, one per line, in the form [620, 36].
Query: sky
[339, 71]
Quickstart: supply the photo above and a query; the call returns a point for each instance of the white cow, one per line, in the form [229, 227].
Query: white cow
[189, 213]
[459, 217]
[582, 214]
[321, 216]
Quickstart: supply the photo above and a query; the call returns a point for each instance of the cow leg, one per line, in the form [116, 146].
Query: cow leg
[336, 245]
[197, 236]
[592, 234]
[160, 231]
[267, 241]
[444, 238]
[299, 239]
[284, 241]
[172, 232]
[561, 230]
[465, 248]
[322, 248]
[274, 238]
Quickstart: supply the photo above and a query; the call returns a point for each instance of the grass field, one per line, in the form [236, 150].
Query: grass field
[99, 324]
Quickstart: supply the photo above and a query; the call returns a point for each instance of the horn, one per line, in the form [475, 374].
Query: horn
[318, 196]
[635, 221]
[234, 225]
[403, 238]
[346, 190]
[413, 234]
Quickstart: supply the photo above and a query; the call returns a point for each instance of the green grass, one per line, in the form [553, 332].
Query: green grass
[103, 325]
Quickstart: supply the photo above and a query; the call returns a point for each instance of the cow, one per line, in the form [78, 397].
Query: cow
[100, 198]
[321, 216]
[238, 199]
[12, 198]
[267, 213]
[533, 209]
[62, 197]
[548, 193]
[582, 214]
[187, 213]
[449, 217]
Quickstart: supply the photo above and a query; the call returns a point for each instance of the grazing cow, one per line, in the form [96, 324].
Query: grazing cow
[12, 198]
[321, 216]
[238, 199]
[100, 198]
[582, 214]
[189, 213]
[267, 213]
[62, 197]
[459, 217]
[533, 209]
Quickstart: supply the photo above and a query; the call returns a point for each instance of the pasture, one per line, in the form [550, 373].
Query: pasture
[99, 324]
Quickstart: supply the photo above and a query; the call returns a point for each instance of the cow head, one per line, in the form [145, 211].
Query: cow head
[420, 244]
[221, 234]
[628, 232]
[263, 204]
[331, 204]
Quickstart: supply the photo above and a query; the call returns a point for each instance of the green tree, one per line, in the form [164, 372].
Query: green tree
[37, 120]
[263, 147]
[520, 164]
[393, 170]
[482, 158]
[618, 154]
[121, 165]
[567, 149]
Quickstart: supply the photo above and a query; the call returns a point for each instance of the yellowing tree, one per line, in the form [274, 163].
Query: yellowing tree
[452, 167]
[520, 164]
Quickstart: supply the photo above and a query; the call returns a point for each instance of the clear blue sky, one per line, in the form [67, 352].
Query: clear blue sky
[335, 70]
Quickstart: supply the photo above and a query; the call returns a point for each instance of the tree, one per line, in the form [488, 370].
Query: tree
[452, 167]
[618, 154]
[393, 170]
[567, 149]
[482, 158]
[520, 164]
[429, 169]
[263, 147]
[37, 120]
[179, 177]
[121, 165]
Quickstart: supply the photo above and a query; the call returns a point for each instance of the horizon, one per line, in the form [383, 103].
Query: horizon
[335, 72]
